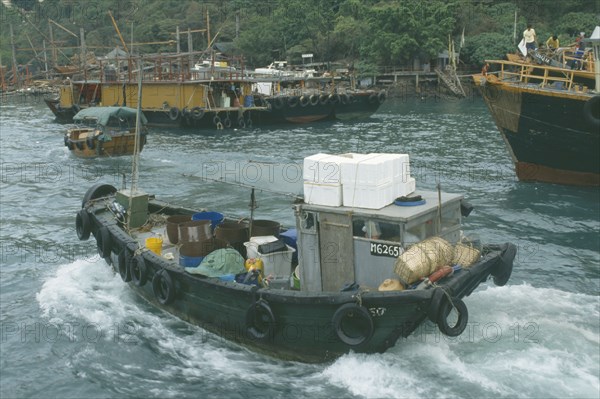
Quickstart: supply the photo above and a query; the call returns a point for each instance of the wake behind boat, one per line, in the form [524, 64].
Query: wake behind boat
[368, 260]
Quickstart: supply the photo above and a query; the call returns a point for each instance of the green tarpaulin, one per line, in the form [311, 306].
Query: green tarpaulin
[102, 115]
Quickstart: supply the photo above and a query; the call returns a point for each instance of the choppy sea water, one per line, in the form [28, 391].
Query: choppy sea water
[70, 328]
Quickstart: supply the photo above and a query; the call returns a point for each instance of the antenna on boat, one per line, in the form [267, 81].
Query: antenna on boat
[253, 205]
[136, 142]
[439, 224]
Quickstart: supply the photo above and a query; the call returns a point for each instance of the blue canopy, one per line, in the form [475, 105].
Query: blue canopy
[103, 115]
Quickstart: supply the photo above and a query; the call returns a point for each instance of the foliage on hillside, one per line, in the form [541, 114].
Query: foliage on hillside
[368, 34]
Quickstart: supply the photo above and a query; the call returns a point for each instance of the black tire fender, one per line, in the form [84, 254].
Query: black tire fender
[174, 113]
[260, 320]
[104, 242]
[314, 99]
[197, 113]
[163, 287]
[373, 98]
[278, 102]
[444, 311]
[334, 98]
[227, 122]
[98, 191]
[138, 270]
[381, 96]
[241, 122]
[123, 264]
[433, 310]
[353, 324]
[304, 101]
[323, 99]
[292, 101]
[591, 112]
[249, 122]
[83, 226]
[216, 120]
[503, 269]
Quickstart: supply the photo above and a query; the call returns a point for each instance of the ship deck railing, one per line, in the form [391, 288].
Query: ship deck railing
[545, 76]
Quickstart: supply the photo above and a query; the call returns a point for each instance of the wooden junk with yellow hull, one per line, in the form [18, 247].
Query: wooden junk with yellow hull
[105, 132]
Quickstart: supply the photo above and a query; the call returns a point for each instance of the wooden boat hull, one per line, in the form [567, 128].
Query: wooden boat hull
[551, 134]
[84, 143]
[297, 325]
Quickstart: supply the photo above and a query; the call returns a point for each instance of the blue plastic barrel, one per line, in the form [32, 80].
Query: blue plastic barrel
[214, 217]
[249, 101]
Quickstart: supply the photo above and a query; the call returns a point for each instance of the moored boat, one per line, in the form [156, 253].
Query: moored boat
[548, 113]
[367, 271]
[105, 132]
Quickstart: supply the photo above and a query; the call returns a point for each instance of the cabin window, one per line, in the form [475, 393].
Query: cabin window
[419, 230]
[375, 229]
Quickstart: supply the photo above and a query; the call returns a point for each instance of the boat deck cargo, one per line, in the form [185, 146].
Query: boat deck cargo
[342, 278]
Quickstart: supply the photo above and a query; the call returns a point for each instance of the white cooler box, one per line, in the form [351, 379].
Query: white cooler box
[277, 264]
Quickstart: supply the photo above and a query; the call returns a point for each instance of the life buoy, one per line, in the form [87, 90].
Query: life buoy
[197, 113]
[174, 113]
[163, 288]
[90, 142]
[353, 324]
[304, 101]
[591, 112]
[260, 320]
[97, 191]
[216, 120]
[124, 260]
[381, 97]
[278, 102]
[227, 122]
[444, 310]
[83, 226]
[314, 100]
[292, 101]
[138, 270]
[241, 122]
[103, 242]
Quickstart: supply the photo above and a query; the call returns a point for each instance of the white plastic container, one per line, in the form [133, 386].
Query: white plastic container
[322, 169]
[403, 188]
[369, 196]
[277, 264]
[323, 194]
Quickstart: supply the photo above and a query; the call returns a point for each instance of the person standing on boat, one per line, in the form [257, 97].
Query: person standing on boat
[530, 38]
[552, 43]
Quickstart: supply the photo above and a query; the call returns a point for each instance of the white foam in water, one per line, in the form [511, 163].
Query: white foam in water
[521, 341]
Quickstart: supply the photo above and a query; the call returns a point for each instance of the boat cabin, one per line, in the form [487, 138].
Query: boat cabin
[339, 245]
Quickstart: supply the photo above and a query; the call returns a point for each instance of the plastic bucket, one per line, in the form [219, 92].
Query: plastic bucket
[214, 217]
[173, 223]
[194, 231]
[154, 244]
[248, 101]
[265, 228]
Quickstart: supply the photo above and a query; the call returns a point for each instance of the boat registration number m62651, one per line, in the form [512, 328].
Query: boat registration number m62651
[382, 249]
